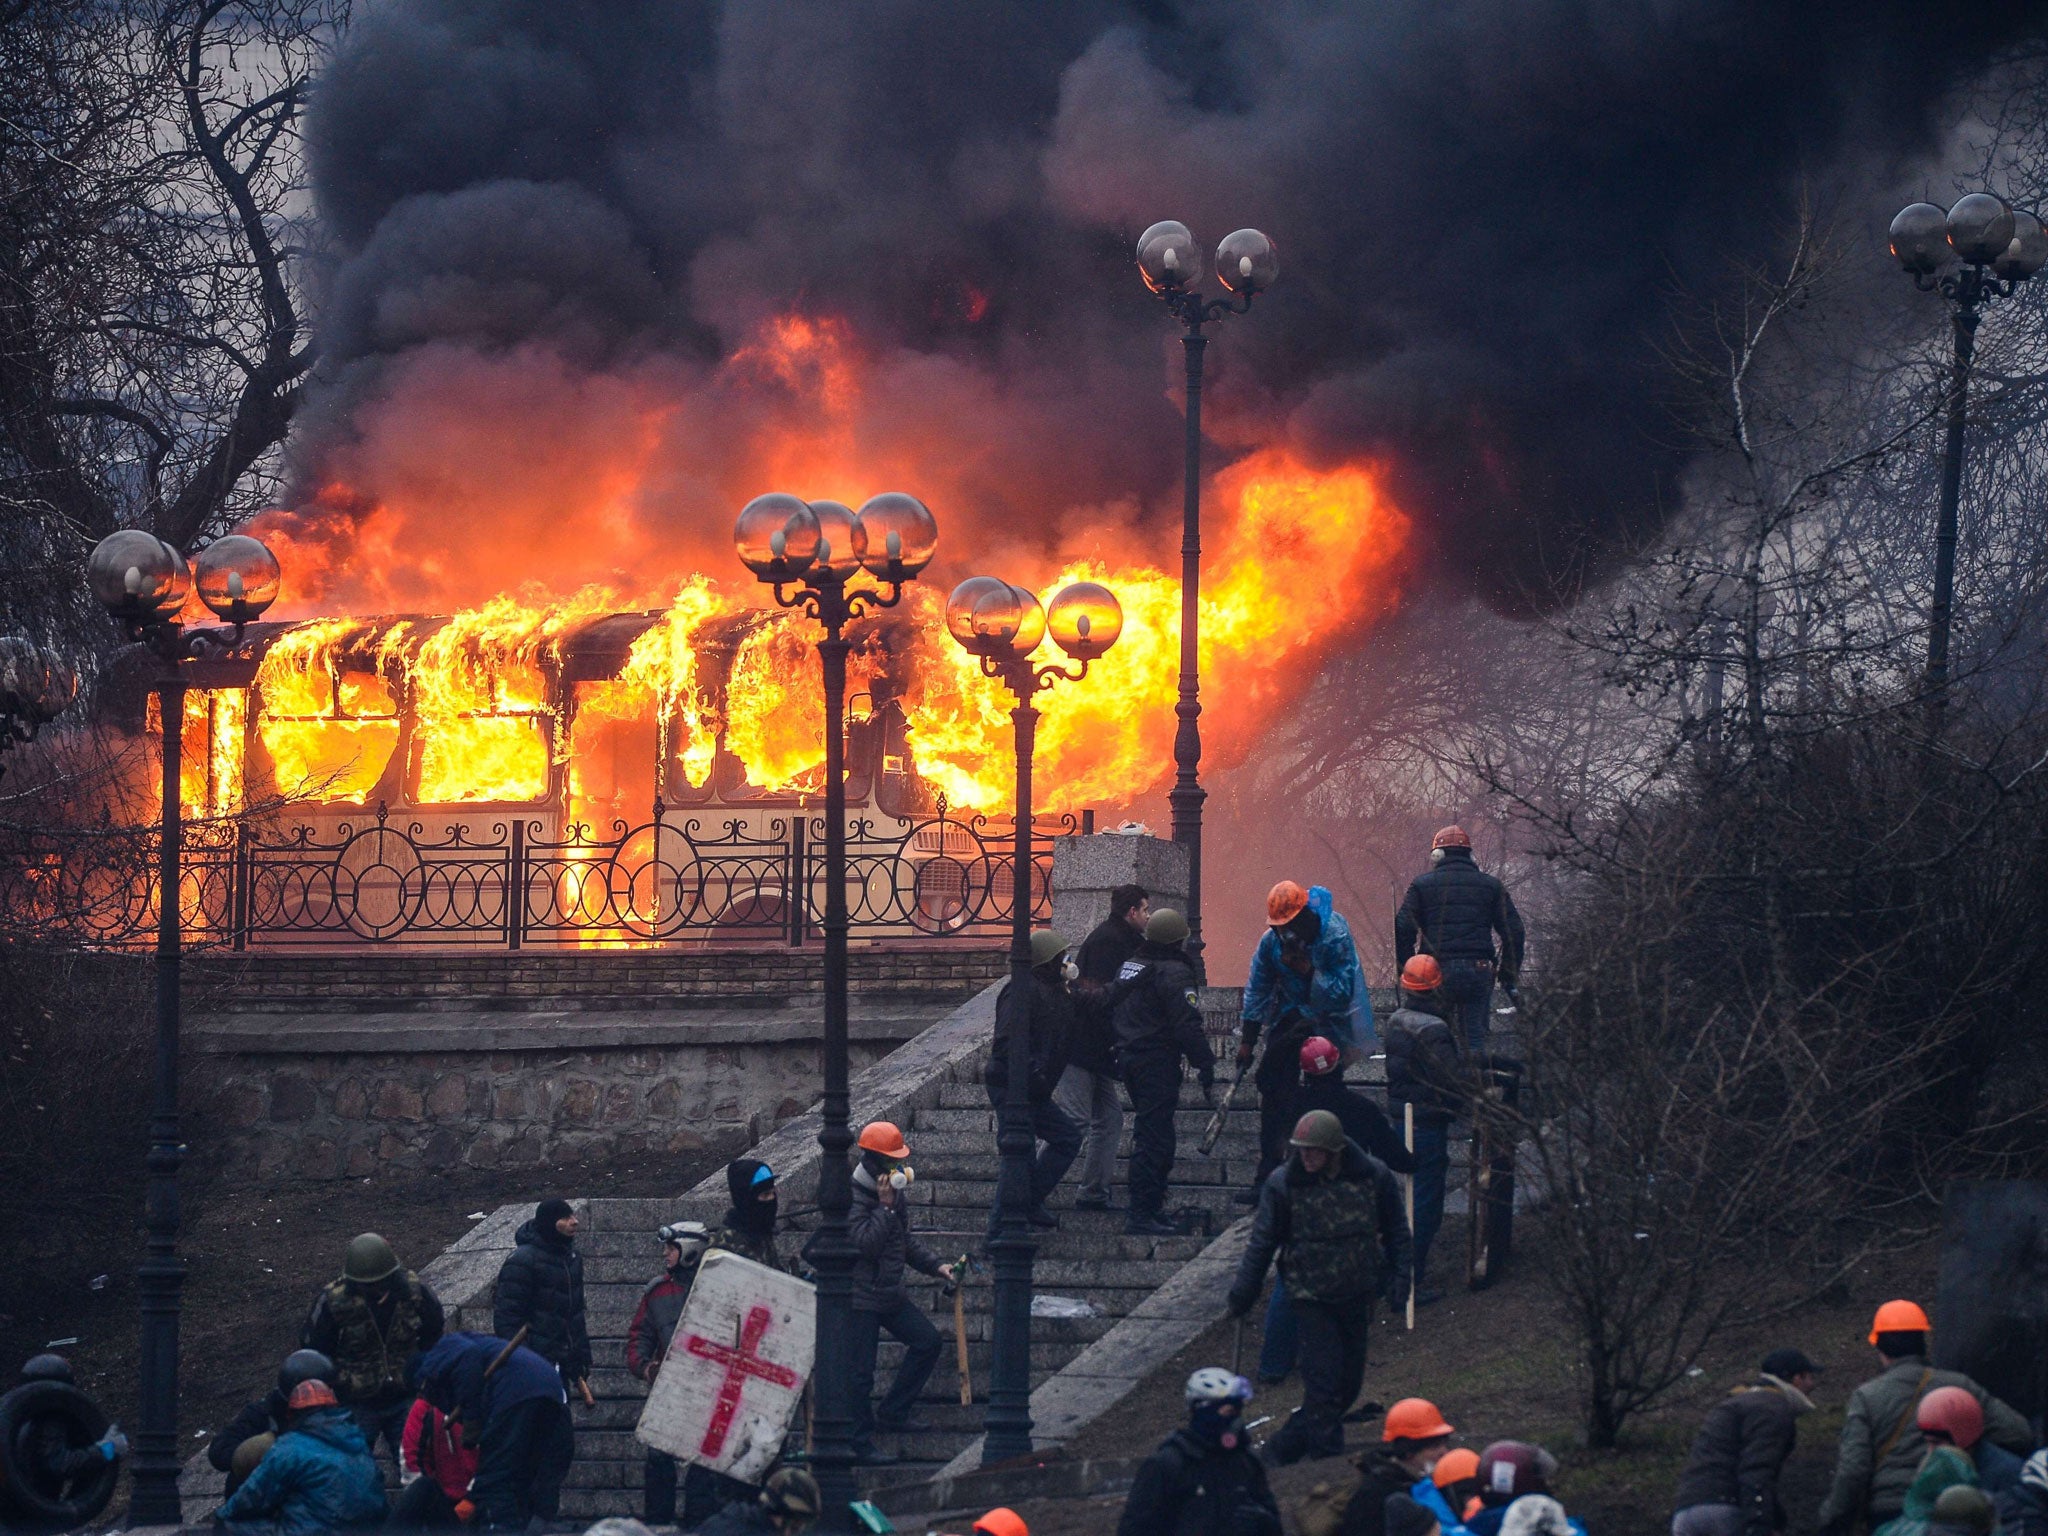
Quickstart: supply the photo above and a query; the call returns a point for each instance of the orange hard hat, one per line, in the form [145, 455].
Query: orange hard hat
[1002, 1522]
[1458, 1466]
[1899, 1317]
[1415, 1418]
[310, 1394]
[1953, 1412]
[1284, 903]
[881, 1137]
[1450, 837]
[1421, 974]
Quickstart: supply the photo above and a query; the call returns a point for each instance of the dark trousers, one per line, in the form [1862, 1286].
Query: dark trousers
[1058, 1135]
[1279, 1076]
[1468, 988]
[523, 1457]
[1332, 1358]
[705, 1492]
[385, 1419]
[1154, 1082]
[421, 1505]
[1432, 1169]
[906, 1323]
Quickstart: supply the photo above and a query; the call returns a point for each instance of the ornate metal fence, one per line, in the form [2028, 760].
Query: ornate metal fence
[673, 880]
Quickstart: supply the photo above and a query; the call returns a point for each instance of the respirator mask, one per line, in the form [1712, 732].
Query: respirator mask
[1070, 972]
[901, 1176]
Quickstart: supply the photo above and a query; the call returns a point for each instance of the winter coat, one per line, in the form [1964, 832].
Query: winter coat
[1884, 1405]
[1431, 1498]
[1454, 911]
[1741, 1448]
[540, 1288]
[1425, 1066]
[319, 1477]
[452, 1379]
[1050, 1019]
[1340, 1236]
[373, 1342]
[1379, 1478]
[435, 1446]
[1101, 958]
[1942, 1468]
[1191, 1487]
[1361, 1118]
[265, 1416]
[654, 1320]
[2023, 1511]
[750, 1244]
[1158, 1009]
[1333, 995]
[882, 1235]
[1998, 1470]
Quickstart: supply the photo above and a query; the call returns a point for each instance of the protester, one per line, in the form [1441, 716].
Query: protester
[1412, 1440]
[1941, 1469]
[1454, 912]
[1963, 1512]
[1322, 1087]
[2024, 1510]
[1426, 1071]
[683, 1245]
[1088, 1089]
[1513, 1474]
[1204, 1480]
[1451, 1489]
[373, 1322]
[1158, 1024]
[514, 1399]
[1001, 1522]
[318, 1477]
[54, 1451]
[1042, 1008]
[1881, 1444]
[1333, 1213]
[880, 1228]
[266, 1416]
[789, 1501]
[540, 1289]
[749, 1226]
[1730, 1483]
[1950, 1416]
[439, 1460]
[1304, 982]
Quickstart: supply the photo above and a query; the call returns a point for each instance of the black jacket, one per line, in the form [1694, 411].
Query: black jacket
[265, 1416]
[1739, 1451]
[1189, 1487]
[1360, 1117]
[886, 1243]
[1051, 1021]
[1380, 1477]
[1156, 1011]
[1273, 1229]
[1424, 1066]
[1109, 944]
[1454, 911]
[541, 1288]
[1102, 956]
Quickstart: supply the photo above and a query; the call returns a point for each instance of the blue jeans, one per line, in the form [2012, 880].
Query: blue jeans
[1468, 989]
[1283, 1335]
[1432, 1168]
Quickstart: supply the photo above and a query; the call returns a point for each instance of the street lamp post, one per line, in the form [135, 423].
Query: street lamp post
[1003, 625]
[35, 688]
[808, 552]
[143, 582]
[1246, 265]
[1996, 248]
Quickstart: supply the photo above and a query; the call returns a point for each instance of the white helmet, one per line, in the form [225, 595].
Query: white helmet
[1213, 1384]
[692, 1237]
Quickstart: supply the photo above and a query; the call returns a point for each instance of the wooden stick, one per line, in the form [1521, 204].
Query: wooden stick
[583, 1386]
[505, 1354]
[1408, 1122]
[960, 1337]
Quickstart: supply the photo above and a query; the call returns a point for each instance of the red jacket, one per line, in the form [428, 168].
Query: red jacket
[654, 1323]
[434, 1448]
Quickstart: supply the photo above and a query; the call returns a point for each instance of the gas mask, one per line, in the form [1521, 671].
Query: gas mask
[1070, 972]
[901, 1176]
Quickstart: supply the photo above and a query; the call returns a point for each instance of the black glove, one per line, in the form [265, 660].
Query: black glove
[1244, 1053]
[1207, 1078]
[1397, 1293]
[1241, 1302]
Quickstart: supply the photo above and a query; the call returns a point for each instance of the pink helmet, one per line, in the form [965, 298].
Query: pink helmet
[1319, 1056]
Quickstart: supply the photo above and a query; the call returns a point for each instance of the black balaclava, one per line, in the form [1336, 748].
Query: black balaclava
[1305, 925]
[546, 1214]
[750, 1212]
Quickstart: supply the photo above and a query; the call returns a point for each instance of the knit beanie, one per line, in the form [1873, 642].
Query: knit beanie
[1405, 1517]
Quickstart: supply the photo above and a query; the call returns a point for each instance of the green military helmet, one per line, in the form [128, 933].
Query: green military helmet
[1047, 946]
[250, 1453]
[1166, 926]
[792, 1493]
[1319, 1129]
[370, 1259]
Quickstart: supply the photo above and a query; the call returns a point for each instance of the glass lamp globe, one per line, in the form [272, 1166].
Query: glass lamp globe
[1980, 227]
[1085, 620]
[1030, 622]
[1008, 623]
[2029, 248]
[1166, 257]
[237, 577]
[1919, 239]
[842, 541]
[136, 576]
[776, 536]
[902, 536]
[960, 609]
[1246, 262]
